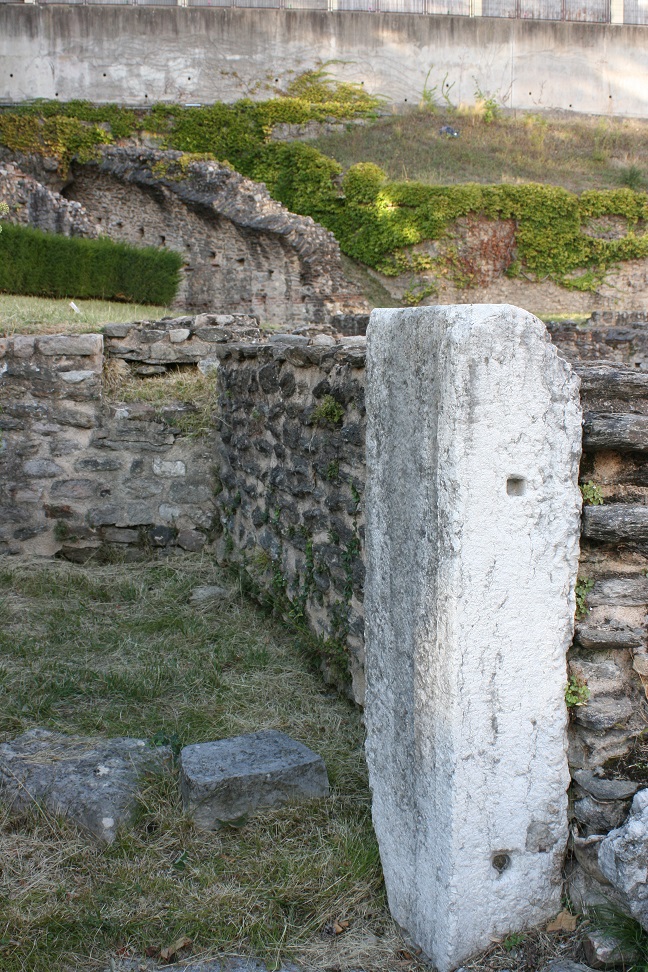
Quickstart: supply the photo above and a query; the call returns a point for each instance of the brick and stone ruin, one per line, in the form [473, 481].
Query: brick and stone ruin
[243, 251]
[273, 484]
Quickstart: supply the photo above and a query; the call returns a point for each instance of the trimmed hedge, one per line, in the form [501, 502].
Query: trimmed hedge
[49, 265]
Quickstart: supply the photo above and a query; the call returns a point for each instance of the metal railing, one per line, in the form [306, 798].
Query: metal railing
[579, 11]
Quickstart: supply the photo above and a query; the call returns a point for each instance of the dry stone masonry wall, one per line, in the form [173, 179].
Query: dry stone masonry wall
[277, 489]
[80, 475]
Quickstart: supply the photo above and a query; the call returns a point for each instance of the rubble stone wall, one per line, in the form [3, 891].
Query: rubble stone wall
[277, 489]
[80, 476]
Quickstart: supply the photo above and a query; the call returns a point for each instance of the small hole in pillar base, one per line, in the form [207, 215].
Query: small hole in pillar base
[501, 861]
[516, 486]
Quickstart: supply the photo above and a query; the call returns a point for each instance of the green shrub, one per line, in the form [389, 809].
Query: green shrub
[32, 262]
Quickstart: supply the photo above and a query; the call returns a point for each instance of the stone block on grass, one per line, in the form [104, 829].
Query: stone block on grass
[93, 782]
[223, 782]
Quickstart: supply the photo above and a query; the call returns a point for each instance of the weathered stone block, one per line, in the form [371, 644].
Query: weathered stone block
[616, 522]
[191, 540]
[42, 468]
[179, 334]
[92, 781]
[76, 377]
[74, 488]
[117, 330]
[102, 464]
[225, 780]
[473, 445]
[169, 468]
[70, 345]
[623, 859]
[622, 432]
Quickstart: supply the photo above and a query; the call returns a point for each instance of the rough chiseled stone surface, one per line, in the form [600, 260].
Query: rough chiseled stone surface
[473, 445]
[92, 782]
[225, 780]
[623, 859]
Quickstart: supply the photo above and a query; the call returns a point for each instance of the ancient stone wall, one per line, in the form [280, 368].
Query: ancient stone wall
[243, 252]
[80, 476]
[277, 489]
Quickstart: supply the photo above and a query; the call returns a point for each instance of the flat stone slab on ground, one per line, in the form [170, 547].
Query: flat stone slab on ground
[93, 782]
[225, 780]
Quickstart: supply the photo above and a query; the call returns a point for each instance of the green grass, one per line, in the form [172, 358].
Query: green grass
[577, 153]
[119, 650]
[42, 315]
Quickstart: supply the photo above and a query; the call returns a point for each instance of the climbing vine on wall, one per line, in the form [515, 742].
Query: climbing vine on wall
[375, 221]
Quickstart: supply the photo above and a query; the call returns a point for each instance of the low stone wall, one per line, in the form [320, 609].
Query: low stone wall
[292, 433]
[81, 476]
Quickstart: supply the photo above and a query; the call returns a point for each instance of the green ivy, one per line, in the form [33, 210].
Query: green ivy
[375, 221]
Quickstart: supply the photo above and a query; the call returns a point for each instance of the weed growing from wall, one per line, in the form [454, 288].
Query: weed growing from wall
[576, 693]
[591, 493]
[583, 587]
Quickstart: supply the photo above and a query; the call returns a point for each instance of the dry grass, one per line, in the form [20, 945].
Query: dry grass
[184, 386]
[121, 650]
[41, 315]
[577, 152]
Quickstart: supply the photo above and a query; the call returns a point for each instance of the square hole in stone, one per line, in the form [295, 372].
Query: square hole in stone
[516, 486]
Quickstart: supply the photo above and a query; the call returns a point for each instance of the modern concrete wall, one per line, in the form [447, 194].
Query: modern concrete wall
[140, 55]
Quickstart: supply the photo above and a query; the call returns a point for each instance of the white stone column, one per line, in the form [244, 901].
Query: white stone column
[473, 446]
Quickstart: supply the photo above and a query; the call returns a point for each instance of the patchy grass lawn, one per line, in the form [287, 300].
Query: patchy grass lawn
[576, 152]
[41, 315]
[119, 650]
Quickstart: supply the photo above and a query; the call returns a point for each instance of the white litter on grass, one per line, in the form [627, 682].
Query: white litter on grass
[74, 307]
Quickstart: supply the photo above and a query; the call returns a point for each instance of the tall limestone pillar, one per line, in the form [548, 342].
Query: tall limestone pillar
[473, 446]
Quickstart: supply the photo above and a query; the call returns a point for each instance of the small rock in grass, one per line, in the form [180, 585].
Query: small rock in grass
[604, 952]
[224, 781]
[92, 782]
[208, 593]
[564, 965]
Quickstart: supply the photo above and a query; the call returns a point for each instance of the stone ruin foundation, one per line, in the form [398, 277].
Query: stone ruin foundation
[472, 515]
[274, 485]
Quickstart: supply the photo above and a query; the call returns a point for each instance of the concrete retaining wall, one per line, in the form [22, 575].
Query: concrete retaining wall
[140, 55]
